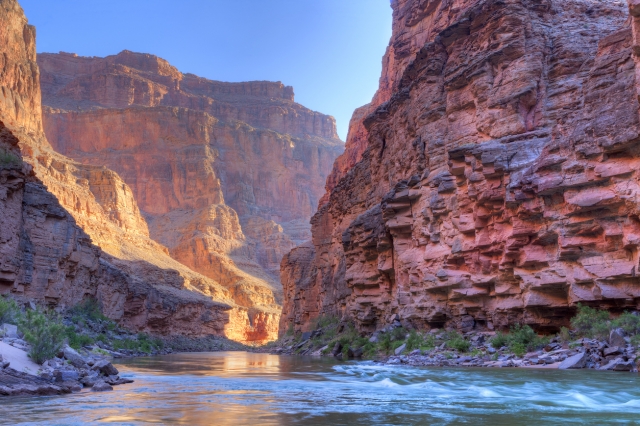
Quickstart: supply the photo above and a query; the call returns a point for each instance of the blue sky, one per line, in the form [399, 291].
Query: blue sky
[330, 51]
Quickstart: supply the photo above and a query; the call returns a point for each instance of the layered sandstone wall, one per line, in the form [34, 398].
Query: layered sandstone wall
[47, 231]
[499, 179]
[227, 175]
[47, 258]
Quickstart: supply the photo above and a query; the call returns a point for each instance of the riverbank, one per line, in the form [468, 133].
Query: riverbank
[596, 341]
[45, 353]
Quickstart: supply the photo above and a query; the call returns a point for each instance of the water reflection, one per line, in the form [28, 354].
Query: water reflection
[238, 388]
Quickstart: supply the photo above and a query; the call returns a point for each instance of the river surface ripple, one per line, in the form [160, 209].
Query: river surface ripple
[239, 388]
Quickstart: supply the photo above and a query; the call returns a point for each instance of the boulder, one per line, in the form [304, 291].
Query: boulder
[90, 379]
[65, 375]
[9, 330]
[400, 349]
[576, 361]
[105, 367]
[615, 350]
[618, 364]
[337, 349]
[101, 386]
[74, 357]
[616, 338]
[72, 386]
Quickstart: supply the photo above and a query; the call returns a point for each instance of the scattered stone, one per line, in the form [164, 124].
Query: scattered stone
[337, 349]
[65, 375]
[9, 330]
[576, 361]
[72, 386]
[400, 349]
[74, 357]
[101, 386]
[618, 364]
[615, 350]
[105, 367]
[616, 338]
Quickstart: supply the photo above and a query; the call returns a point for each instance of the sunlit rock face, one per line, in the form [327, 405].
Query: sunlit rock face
[46, 231]
[493, 178]
[226, 175]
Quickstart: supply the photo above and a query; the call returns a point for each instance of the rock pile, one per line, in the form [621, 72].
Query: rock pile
[70, 371]
[612, 355]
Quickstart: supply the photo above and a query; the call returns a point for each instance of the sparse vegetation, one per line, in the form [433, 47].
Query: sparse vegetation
[592, 323]
[9, 311]
[520, 340]
[44, 332]
[9, 159]
[456, 341]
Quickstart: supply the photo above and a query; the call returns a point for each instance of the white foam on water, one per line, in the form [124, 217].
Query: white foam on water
[484, 392]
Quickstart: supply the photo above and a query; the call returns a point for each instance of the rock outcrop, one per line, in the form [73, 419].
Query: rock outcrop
[498, 182]
[52, 208]
[226, 175]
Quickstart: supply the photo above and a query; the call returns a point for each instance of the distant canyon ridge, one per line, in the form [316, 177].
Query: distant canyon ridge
[168, 197]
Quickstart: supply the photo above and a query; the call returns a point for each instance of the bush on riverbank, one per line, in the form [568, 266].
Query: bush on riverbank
[82, 326]
[45, 333]
[9, 311]
[520, 340]
[329, 335]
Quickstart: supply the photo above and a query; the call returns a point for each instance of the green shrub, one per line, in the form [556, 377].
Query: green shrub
[77, 340]
[592, 323]
[142, 343]
[88, 309]
[519, 340]
[369, 350]
[524, 335]
[289, 331]
[499, 340]
[9, 311]
[420, 341]
[44, 332]
[456, 341]
[414, 341]
[391, 340]
[8, 159]
[518, 349]
[564, 335]
[628, 322]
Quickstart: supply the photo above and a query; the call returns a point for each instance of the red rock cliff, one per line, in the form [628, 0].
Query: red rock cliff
[227, 175]
[498, 178]
[45, 252]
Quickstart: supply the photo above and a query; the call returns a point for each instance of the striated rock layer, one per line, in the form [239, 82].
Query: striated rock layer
[227, 175]
[46, 257]
[44, 254]
[498, 178]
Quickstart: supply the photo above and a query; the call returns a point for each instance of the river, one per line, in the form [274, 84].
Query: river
[239, 388]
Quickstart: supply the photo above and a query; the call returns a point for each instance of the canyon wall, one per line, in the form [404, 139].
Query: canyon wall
[53, 208]
[493, 179]
[226, 175]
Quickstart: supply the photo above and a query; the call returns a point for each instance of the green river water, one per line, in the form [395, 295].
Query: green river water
[239, 388]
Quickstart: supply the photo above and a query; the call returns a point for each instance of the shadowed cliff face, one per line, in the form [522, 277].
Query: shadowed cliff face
[226, 175]
[498, 181]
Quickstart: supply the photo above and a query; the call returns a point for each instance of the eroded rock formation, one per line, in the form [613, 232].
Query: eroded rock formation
[45, 253]
[498, 180]
[227, 175]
